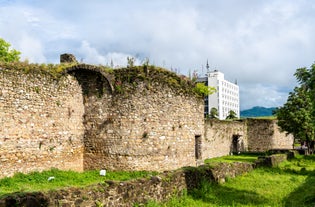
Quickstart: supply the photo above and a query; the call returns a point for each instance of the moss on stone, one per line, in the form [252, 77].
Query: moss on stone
[54, 70]
[125, 79]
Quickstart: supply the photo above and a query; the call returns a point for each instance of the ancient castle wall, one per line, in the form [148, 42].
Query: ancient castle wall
[224, 138]
[80, 122]
[40, 122]
[157, 129]
[281, 140]
[260, 135]
[251, 135]
[264, 134]
[139, 128]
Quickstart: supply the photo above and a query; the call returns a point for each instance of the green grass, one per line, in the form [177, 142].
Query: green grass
[38, 181]
[291, 184]
[235, 158]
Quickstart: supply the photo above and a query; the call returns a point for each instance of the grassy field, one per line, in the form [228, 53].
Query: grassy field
[292, 184]
[39, 181]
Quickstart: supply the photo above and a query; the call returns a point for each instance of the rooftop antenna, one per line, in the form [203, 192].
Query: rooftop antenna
[207, 66]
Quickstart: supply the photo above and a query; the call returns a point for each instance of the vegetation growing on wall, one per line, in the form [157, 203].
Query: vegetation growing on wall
[54, 70]
[150, 75]
[125, 79]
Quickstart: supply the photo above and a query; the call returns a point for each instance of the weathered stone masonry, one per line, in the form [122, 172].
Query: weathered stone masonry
[40, 122]
[84, 121]
[143, 129]
[224, 137]
[249, 135]
[78, 123]
[264, 135]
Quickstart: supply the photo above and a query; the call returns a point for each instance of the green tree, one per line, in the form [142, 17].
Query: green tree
[6, 53]
[297, 115]
[213, 113]
[232, 115]
[202, 90]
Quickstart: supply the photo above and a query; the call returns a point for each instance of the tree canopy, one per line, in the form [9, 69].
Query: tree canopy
[297, 115]
[6, 53]
[214, 114]
[232, 115]
[203, 90]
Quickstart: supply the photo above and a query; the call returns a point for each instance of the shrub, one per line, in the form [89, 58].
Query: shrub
[202, 90]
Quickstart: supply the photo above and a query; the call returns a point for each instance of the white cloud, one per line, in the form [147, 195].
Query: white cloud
[92, 56]
[259, 43]
[30, 29]
[31, 49]
[261, 95]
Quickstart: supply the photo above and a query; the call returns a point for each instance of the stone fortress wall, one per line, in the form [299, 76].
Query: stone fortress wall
[248, 135]
[82, 121]
[41, 124]
[219, 135]
[149, 127]
[264, 134]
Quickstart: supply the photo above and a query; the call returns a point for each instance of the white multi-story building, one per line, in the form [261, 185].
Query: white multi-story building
[226, 97]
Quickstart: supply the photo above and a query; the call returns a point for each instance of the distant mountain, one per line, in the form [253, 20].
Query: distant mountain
[257, 111]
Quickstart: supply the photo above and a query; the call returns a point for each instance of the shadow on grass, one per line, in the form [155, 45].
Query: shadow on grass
[214, 193]
[304, 158]
[309, 157]
[303, 196]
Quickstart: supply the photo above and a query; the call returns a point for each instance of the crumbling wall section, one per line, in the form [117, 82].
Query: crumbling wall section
[224, 138]
[264, 135]
[260, 134]
[281, 139]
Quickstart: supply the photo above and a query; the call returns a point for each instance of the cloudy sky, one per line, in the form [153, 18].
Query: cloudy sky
[259, 43]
